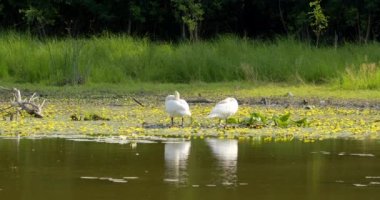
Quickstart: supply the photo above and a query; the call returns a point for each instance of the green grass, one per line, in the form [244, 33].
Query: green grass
[367, 76]
[122, 59]
[214, 91]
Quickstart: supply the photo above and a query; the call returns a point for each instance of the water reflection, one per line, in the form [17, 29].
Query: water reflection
[176, 159]
[226, 153]
[332, 169]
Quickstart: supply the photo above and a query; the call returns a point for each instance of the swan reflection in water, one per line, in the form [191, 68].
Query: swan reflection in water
[226, 153]
[176, 156]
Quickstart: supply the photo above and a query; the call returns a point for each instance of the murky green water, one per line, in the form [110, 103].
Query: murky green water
[198, 169]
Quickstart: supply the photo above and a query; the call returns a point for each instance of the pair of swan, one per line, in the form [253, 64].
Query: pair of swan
[177, 107]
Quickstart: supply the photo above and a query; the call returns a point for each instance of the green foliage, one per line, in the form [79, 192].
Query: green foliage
[136, 11]
[39, 17]
[282, 120]
[319, 21]
[304, 122]
[191, 13]
[258, 120]
[88, 117]
[255, 119]
[232, 120]
[35, 15]
[350, 20]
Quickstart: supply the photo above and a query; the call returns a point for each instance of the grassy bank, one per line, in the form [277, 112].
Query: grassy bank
[122, 59]
[214, 91]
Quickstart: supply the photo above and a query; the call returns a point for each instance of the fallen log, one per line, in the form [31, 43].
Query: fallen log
[28, 105]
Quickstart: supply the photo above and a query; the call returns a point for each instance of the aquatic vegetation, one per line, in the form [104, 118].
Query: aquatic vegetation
[131, 121]
[88, 117]
[258, 120]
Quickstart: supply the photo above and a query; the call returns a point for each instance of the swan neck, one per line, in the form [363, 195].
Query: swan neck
[176, 94]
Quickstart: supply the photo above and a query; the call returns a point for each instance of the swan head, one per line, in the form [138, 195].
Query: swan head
[231, 99]
[169, 98]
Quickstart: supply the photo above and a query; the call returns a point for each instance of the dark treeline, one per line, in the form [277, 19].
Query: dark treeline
[347, 20]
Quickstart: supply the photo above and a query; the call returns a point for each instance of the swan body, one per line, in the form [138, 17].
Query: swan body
[176, 107]
[224, 109]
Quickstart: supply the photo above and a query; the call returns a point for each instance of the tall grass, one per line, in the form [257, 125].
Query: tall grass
[367, 76]
[120, 59]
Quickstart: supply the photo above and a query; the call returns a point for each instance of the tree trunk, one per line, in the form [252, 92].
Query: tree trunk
[336, 41]
[282, 17]
[196, 32]
[317, 42]
[358, 27]
[183, 31]
[368, 29]
[191, 35]
[129, 26]
[308, 35]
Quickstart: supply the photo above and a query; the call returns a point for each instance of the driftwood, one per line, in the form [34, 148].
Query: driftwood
[199, 100]
[28, 105]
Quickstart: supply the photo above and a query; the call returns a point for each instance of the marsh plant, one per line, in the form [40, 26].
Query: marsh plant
[366, 76]
[259, 120]
[124, 59]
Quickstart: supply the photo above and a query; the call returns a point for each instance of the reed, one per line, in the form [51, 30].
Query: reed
[122, 59]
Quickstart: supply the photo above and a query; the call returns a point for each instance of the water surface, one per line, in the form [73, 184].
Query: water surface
[198, 169]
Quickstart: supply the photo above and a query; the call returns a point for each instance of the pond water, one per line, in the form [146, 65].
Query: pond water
[58, 168]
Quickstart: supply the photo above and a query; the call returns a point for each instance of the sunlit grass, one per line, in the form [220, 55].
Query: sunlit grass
[121, 59]
[367, 76]
[215, 91]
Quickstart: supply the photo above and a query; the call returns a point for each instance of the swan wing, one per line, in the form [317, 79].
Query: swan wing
[224, 109]
[177, 107]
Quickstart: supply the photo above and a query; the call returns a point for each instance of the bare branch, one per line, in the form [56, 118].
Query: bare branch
[138, 102]
[31, 99]
[42, 104]
[27, 105]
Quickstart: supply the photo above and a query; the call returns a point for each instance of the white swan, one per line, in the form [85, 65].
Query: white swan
[224, 109]
[176, 107]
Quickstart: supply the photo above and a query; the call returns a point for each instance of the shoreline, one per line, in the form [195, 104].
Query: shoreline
[269, 95]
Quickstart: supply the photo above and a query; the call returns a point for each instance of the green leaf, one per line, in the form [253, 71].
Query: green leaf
[278, 122]
[302, 122]
[232, 121]
[285, 118]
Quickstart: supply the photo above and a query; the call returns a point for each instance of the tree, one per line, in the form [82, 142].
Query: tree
[348, 20]
[39, 17]
[319, 21]
[191, 14]
[136, 14]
